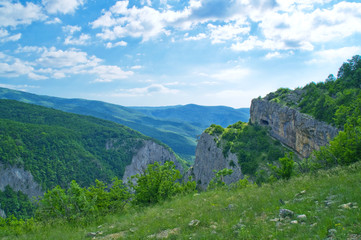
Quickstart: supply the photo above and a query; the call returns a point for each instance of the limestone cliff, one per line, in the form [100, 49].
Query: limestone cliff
[209, 157]
[149, 153]
[19, 180]
[299, 131]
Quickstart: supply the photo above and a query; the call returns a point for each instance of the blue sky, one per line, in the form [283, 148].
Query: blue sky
[169, 52]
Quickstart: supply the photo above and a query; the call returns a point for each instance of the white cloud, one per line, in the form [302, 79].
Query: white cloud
[58, 58]
[276, 54]
[13, 67]
[145, 23]
[136, 67]
[220, 34]
[334, 55]
[82, 40]
[120, 43]
[54, 21]
[200, 36]
[151, 90]
[64, 63]
[108, 73]
[13, 14]
[62, 6]
[6, 37]
[71, 29]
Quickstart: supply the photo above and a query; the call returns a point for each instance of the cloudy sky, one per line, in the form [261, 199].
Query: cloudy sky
[169, 52]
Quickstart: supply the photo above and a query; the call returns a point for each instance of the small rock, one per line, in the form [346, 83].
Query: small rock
[91, 234]
[132, 230]
[302, 217]
[213, 226]
[230, 207]
[194, 223]
[294, 222]
[348, 205]
[300, 193]
[332, 232]
[354, 237]
[274, 220]
[313, 225]
[286, 213]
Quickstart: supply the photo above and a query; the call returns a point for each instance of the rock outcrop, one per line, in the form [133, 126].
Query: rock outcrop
[149, 153]
[299, 131]
[210, 158]
[19, 180]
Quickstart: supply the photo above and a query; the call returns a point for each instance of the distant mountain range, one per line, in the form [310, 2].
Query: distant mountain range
[176, 126]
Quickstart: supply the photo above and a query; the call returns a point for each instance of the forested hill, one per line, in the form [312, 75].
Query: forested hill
[333, 101]
[57, 147]
[176, 126]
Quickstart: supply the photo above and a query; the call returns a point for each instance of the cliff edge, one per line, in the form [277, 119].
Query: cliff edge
[210, 159]
[299, 131]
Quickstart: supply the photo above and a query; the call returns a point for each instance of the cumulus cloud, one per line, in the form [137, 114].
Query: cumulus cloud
[6, 37]
[14, 67]
[81, 40]
[62, 6]
[14, 14]
[194, 38]
[245, 25]
[145, 22]
[116, 44]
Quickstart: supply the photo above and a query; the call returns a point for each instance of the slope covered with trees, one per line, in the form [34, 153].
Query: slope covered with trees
[176, 126]
[58, 147]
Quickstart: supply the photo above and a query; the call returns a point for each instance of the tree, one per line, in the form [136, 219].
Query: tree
[157, 183]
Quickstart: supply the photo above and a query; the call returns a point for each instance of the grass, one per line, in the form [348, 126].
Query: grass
[248, 213]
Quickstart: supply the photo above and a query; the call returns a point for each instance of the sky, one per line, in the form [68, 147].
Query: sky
[171, 52]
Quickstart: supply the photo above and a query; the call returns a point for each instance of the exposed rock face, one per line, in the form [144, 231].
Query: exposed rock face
[299, 131]
[209, 157]
[2, 213]
[19, 180]
[149, 153]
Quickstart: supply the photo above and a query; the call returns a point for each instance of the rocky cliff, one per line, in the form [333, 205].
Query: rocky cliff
[210, 158]
[149, 153]
[299, 131]
[19, 180]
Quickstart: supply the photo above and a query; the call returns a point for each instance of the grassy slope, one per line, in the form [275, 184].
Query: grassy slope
[254, 207]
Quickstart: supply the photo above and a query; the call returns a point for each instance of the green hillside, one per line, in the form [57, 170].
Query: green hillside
[332, 100]
[57, 147]
[177, 127]
[180, 136]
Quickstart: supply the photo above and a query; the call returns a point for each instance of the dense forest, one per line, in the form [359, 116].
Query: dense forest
[58, 147]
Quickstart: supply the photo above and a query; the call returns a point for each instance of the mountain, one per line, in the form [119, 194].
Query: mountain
[201, 116]
[174, 130]
[320, 121]
[41, 148]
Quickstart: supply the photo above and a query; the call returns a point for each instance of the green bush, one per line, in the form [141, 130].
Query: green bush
[285, 168]
[157, 183]
[218, 180]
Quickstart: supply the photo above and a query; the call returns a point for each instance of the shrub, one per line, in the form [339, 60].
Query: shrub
[157, 183]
